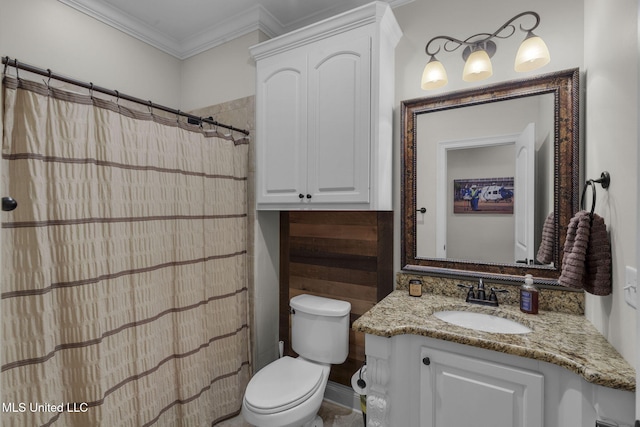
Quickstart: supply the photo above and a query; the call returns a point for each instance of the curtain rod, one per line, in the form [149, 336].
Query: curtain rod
[48, 73]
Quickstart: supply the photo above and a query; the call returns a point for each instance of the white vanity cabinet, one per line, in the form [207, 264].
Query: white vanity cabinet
[324, 99]
[417, 381]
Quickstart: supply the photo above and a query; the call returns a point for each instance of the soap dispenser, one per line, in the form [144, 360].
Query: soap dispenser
[529, 296]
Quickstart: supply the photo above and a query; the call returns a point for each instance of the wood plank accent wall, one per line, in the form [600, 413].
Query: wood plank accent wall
[336, 254]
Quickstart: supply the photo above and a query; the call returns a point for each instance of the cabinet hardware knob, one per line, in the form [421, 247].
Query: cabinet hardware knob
[426, 361]
[301, 196]
[308, 196]
[8, 204]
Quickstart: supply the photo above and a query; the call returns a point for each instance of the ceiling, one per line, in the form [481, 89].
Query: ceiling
[184, 28]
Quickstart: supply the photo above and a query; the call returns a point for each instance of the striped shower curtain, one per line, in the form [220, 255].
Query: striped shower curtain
[124, 284]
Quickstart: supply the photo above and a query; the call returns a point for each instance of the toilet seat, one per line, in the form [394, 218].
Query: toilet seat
[282, 385]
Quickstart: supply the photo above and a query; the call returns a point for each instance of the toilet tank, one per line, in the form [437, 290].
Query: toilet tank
[320, 328]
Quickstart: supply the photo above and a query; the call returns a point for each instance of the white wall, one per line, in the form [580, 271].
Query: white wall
[637, 365]
[221, 74]
[561, 27]
[611, 56]
[267, 288]
[49, 34]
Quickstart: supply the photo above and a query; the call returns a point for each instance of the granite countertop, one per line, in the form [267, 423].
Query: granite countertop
[564, 339]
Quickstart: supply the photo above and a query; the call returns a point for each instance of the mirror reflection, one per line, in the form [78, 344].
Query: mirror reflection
[485, 170]
[469, 162]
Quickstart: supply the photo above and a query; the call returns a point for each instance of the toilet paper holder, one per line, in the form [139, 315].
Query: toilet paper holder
[361, 382]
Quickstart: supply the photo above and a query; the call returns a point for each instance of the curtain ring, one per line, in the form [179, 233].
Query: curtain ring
[6, 64]
[150, 106]
[214, 124]
[48, 82]
[91, 90]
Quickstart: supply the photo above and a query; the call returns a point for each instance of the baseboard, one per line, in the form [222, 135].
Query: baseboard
[342, 395]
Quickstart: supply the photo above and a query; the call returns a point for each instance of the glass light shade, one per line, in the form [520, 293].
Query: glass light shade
[533, 53]
[477, 67]
[434, 75]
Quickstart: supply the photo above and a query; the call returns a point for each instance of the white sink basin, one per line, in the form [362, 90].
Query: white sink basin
[482, 322]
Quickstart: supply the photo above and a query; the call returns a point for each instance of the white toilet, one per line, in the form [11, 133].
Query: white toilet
[289, 391]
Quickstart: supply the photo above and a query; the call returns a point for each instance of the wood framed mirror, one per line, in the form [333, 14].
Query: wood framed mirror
[514, 146]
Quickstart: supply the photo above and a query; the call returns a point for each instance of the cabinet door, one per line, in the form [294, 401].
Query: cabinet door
[339, 119]
[281, 125]
[461, 391]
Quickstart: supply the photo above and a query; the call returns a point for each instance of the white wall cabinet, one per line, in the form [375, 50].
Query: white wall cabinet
[324, 101]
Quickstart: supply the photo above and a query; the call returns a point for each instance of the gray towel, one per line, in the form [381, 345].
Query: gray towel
[586, 263]
[547, 249]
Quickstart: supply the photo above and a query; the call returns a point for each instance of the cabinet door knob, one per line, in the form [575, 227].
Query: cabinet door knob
[301, 196]
[308, 196]
[426, 361]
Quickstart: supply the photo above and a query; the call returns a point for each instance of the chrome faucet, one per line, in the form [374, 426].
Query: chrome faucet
[480, 297]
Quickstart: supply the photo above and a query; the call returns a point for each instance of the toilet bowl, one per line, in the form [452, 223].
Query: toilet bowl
[286, 393]
[289, 391]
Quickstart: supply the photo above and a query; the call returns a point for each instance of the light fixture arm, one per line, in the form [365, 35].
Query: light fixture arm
[481, 39]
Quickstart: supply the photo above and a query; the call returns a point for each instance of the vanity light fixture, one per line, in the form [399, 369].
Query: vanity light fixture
[479, 48]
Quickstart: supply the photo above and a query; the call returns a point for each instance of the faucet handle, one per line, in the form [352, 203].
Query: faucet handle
[493, 296]
[470, 293]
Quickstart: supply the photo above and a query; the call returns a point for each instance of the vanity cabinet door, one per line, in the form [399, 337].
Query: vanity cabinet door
[457, 390]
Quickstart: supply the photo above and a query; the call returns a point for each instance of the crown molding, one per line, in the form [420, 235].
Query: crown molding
[255, 18]
[127, 24]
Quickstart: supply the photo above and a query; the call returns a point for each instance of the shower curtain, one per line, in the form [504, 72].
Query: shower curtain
[124, 296]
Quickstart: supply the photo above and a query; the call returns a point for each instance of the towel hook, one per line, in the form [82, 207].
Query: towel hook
[605, 180]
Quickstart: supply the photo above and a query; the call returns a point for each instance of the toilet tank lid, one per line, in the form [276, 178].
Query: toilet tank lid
[321, 306]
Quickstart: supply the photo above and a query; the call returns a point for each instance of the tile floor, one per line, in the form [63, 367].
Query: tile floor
[332, 414]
